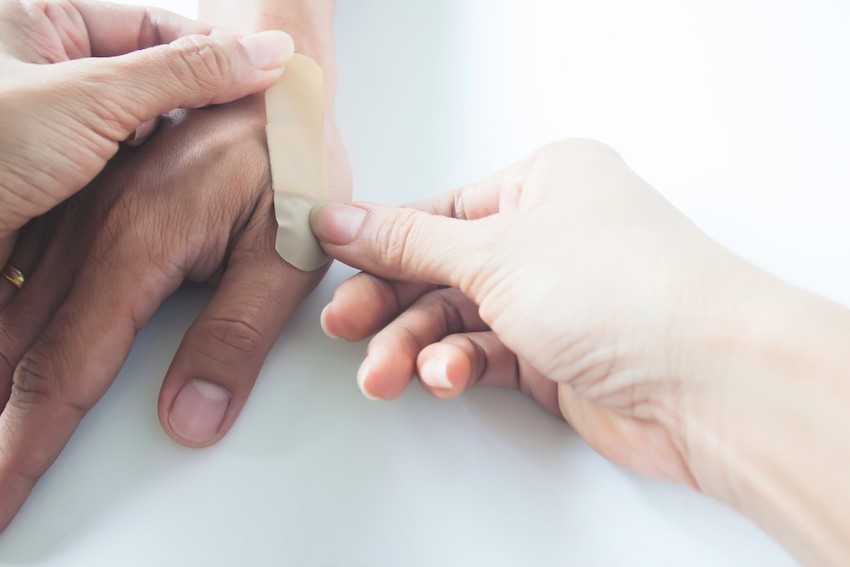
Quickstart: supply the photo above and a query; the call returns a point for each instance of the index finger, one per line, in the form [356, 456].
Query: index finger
[116, 29]
[476, 200]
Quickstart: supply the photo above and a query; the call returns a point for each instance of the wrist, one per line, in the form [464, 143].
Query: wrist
[309, 22]
[762, 409]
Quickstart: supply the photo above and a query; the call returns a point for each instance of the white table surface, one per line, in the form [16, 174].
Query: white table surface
[734, 109]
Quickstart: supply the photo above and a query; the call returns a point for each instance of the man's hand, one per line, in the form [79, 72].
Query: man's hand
[193, 204]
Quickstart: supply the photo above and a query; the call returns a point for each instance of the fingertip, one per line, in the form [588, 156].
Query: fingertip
[142, 132]
[444, 370]
[325, 320]
[434, 372]
[336, 223]
[384, 375]
[269, 49]
[363, 375]
[197, 413]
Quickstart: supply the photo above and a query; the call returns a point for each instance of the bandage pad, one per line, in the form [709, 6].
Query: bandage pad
[295, 132]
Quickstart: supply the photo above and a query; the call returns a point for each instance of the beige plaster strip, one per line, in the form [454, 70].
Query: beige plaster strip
[295, 132]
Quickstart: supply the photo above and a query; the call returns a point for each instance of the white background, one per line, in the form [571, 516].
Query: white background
[736, 110]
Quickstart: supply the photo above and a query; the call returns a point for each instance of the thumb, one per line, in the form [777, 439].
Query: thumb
[403, 244]
[190, 72]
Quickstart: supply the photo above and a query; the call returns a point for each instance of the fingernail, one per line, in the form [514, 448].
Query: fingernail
[268, 49]
[322, 322]
[198, 410]
[141, 132]
[137, 133]
[335, 223]
[435, 373]
[362, 374]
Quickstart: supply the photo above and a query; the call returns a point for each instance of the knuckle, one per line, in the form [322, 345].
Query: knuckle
[235, 334]
[395, 239]
[201, 62]
[7, 339]
[42, 379]
[477, 358]
[32, 383]
[442, 305]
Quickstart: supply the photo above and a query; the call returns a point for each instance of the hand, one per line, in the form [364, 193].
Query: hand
[573, 280]
[194, 203]
[79, 77]
[536, 268]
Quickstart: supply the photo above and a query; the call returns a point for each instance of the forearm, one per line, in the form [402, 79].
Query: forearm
[767, 425]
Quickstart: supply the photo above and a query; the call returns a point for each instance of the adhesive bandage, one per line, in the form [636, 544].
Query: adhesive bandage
[295, 132]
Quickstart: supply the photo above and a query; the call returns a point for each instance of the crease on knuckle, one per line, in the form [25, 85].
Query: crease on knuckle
[440, 303]
[6, 367]
[201, 64]
[7, 339]
[235, 334]
[149, 35]
[393, 240]
[35, 385]
[479, 360]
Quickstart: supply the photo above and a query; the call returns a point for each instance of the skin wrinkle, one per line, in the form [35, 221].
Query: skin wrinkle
[397, 235]
[79, 43]
[237, 333]
[148, 31]
[450, 316]
[481, 364]
[216, 64]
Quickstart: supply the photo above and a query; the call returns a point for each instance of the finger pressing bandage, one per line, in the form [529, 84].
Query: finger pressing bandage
[295, 132]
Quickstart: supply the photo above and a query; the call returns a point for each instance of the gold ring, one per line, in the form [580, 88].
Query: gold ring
[14, 275]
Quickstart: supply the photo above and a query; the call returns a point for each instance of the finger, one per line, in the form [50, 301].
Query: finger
[464, 360]
[7, 243]
[144, 131]
[115, 29]
[223, 351]
[476, 200]
[364, 304]
[71, 365]
[24, 258]
[406, 244]
[190, 72]
[391, 355]
[47, 286]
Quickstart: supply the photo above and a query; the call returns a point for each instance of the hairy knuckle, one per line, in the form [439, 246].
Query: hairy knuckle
[235, 334]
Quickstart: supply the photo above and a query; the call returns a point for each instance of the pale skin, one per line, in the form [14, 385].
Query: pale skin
[101, 263]
[569, 277]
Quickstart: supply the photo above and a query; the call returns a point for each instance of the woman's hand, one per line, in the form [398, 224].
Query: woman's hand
[80, 77]
[572, 279]
[569, 277]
